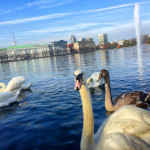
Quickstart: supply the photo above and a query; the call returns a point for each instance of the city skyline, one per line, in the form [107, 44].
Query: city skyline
[45, 21]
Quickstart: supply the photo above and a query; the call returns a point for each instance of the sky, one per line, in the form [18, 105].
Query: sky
[45, 21]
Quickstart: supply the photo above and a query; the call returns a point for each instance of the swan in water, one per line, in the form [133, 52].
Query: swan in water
[16, 83]
[92, 80]
[26, 86]
[128, 128]
[8, 97]
[137, 98]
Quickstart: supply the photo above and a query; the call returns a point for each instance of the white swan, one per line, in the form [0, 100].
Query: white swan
[16, 83]
[92, 80]
[126, 129]
[8, 97]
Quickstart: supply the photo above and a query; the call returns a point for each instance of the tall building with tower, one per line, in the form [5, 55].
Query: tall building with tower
[102, 39]
[73, 38]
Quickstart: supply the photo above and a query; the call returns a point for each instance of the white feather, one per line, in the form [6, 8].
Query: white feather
[16, 83]
[128, 128]
[92, 80]
[8, 97]
[26, 86]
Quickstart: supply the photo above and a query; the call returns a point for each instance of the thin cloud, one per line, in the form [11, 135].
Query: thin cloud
[114, 7]
[40, 5]
[109, 8]
[51, 16]
[3, 12]
[93, 33]
[40, 2]
[64, 29]
[56, 4]
[25, 20]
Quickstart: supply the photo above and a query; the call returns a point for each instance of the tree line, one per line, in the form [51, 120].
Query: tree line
[125, 43]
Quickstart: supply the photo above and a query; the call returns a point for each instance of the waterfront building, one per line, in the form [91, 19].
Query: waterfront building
[73, 38]
[24, 52]
[89, 39]
[21, 53]
[121, 42]
[102, 39]
[84, 46]
[59, 48]
[59, 44]
[3, 55]
[82, 39]
[70, 46]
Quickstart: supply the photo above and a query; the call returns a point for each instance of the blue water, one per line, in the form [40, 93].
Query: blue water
[49, 117]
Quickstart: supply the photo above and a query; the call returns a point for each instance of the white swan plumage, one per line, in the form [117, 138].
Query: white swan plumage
[128, 128]
[8, 97]
[92, 80]
[16, 83]
[26, 86]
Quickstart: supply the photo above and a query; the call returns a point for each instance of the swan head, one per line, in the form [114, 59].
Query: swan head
[80, 79]
[103, 74]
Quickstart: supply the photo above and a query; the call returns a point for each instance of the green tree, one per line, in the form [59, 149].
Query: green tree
[126, 43]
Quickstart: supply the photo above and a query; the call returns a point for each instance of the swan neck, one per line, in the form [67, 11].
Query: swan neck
[108, 100]
[88, 123]
[3, 87]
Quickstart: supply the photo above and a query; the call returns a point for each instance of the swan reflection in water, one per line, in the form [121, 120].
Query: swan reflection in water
[100, 90]
[8, 109]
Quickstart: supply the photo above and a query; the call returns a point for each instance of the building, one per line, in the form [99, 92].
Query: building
[121, 42]
[27, 52]
[59, 48]
[73, 38]
[84, 46]
[102, 39]
[3, 56]
[59, 44]
[82, 39]
[89, 39]
[70, 46]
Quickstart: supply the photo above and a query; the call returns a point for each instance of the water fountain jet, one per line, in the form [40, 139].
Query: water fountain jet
[137, 25]
[138, 39]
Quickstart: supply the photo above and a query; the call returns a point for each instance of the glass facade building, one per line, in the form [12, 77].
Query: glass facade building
[102, 39]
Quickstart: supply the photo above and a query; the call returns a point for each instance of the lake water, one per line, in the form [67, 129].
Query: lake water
[49, 117]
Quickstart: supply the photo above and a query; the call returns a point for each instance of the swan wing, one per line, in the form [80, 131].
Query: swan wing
[92, 80]
[26, 86]
[99, 132]
[130, 125]
[131, 97]
[15, 84]
[121, 141]
[8, 97]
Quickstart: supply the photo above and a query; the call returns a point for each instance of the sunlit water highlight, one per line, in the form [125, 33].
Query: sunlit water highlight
[50, 116]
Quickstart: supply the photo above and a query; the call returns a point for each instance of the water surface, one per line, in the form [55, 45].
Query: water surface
[50, 115]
